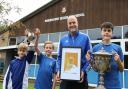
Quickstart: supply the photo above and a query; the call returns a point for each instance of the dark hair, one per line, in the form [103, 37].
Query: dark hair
[107, 25]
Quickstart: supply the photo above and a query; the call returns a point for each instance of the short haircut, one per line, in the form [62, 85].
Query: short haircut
[23, 46]
[49, 42]
[107, 25]
[72, 16]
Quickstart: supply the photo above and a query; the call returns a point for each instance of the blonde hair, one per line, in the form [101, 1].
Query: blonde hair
[23, 46]
[49, 42]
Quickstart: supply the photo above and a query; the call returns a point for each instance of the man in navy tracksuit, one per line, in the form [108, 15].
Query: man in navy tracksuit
[74, 39]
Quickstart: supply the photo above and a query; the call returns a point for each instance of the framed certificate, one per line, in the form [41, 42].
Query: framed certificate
[70, 63]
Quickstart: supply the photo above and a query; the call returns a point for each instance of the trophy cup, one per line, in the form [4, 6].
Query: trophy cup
[29, 36]
[101, 64]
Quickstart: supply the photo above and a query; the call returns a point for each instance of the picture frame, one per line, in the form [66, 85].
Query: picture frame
[70, 63]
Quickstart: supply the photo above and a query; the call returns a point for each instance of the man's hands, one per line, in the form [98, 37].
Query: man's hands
[81, 77]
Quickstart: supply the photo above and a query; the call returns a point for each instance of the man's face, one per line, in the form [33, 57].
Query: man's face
[106, 33]
[72, 24]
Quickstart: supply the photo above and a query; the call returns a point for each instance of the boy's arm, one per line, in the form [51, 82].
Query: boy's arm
[58, 63]
[54, 82]
[30, 56]
[37, 34]
[119, 58]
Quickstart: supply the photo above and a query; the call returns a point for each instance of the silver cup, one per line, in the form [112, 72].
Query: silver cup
[101, 64]
[30, 35]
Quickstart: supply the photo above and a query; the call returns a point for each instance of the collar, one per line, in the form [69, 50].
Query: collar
[107, 43]
[48, 56]
[77, 33]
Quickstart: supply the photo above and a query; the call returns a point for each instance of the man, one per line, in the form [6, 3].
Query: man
[74, 39]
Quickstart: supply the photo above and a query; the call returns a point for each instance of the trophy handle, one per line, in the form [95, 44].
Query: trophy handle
[93, 65]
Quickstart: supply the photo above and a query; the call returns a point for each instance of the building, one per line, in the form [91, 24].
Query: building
[51, 19]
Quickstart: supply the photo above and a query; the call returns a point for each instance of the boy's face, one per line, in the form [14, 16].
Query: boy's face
[48, 49]
[22, 52]
[106, 34]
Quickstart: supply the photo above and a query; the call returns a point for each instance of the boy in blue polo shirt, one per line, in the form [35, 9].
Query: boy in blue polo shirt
[16, 76]
[111, 78]
[47, 65]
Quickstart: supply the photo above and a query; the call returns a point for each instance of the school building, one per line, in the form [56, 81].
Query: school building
[51, 20]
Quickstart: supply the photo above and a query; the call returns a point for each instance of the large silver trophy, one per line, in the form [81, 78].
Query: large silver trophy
[101, 64]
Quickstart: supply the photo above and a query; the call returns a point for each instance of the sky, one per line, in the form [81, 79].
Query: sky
[27, 6]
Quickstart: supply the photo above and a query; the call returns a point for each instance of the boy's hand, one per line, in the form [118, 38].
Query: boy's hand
[26, 32]
[58, 76]
[88, 57]
[37, 31]
[116, 57]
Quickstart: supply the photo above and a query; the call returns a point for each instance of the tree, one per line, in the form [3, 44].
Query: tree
[5, 9]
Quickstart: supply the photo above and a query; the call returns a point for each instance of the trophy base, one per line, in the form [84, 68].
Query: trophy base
[100, 87]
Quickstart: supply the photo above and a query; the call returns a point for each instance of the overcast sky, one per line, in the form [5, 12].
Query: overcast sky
[27, 6]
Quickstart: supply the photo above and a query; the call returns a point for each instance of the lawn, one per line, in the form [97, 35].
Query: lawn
[31, 86]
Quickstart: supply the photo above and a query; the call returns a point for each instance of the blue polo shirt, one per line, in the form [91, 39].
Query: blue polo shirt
[47, 67]
[111, 78]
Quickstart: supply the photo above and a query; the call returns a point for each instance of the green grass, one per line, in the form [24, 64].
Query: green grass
[31, 86]
[0, 85]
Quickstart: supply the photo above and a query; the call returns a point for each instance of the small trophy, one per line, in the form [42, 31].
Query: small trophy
[29, 36]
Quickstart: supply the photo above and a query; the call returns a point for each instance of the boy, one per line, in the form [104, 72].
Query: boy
[47, 64]
[16, 76]
[111, 78]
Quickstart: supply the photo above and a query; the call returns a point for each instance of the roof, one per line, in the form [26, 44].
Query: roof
[44, 7]
[8, 47]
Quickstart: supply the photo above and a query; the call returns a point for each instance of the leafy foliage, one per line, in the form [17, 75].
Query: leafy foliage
[5, 9]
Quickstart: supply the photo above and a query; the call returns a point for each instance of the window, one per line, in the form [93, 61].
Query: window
[54, 56]
[94, 34]
[125, 31]
[20, 39]
[126, 61]
[117, 32]
[55, 47]
[54, 37]
[12, 41]
[64, 33]
[43, 38]
[93, 44]
[118, 43]
[83, 31]
[126, 46]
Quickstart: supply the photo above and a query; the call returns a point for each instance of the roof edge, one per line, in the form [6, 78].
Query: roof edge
[39, 10]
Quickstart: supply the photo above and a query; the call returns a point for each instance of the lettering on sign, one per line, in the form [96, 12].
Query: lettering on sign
[62, 18]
